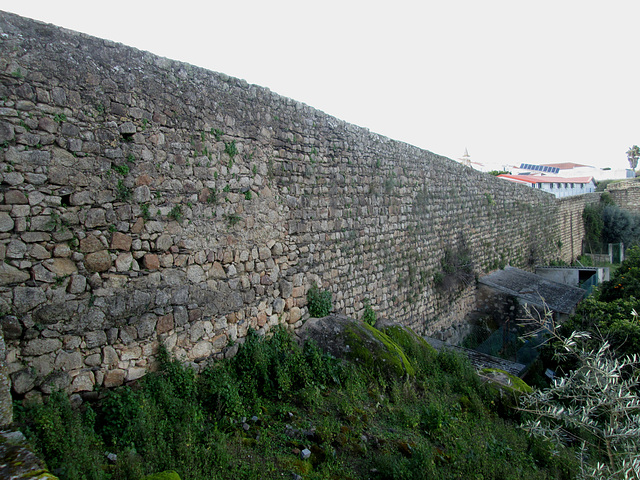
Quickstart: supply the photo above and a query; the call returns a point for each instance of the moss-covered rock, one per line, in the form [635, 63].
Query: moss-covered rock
[17, 459]
[354, 340]
[506, 380]
[407, 338]
[166, 475]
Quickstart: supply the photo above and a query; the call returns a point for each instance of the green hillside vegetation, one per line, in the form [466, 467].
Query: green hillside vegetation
[279, 411]
[610, 313]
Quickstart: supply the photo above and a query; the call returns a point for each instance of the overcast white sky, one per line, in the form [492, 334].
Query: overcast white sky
[511, 81]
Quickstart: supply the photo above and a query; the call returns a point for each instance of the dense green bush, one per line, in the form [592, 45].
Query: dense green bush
[65, 438]
[605, 222]
[620, 225]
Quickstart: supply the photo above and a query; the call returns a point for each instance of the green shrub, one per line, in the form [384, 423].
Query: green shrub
[369, 315]
[64, 437]
[176, 213]
[319, 302]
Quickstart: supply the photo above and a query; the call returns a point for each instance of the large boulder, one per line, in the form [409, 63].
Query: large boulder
[344, 337]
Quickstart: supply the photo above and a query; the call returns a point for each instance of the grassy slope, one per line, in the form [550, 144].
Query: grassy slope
[254, 416]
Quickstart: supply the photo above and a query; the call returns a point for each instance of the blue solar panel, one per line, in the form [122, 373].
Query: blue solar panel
[539, 168]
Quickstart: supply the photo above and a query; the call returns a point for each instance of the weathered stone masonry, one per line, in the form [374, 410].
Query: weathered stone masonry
[147, 201]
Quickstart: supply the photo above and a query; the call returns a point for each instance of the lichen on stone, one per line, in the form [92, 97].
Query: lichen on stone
[375, 349]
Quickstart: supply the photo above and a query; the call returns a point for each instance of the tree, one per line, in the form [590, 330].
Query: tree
[632, 155]
[596, 405]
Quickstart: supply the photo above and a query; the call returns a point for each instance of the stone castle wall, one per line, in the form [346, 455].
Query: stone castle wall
[145, 201]
[626, 195]
[570, 224]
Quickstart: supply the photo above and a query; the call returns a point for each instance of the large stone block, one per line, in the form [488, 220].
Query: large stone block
[40, 346]
[147, 325]
[114, 378]
[68, 361]
[6, 222]
[22, 381]
[98, 261]
[10, 275]
[121, 241]
[27, 298]
[95, 339]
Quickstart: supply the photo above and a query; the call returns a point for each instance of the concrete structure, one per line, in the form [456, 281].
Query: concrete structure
[575, 276]
[532, 289]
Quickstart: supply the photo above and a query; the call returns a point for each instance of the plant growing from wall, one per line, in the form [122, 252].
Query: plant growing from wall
[457, 269]
[144, 210]
[217, 134]
[390, 183]
[369, 315]
[212, 199]
[490, 201]
[176, 213]
[319, 302]
[121, 169]
[123, 193]
[233, 219]
[230, 148]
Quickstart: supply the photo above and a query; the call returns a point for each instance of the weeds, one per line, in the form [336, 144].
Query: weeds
[212, 198]
[123, 193]
[144, 210]
[176, 213]
[217, 134]
[250, 416]
[231, 149]
[233, 219]
[121, 169]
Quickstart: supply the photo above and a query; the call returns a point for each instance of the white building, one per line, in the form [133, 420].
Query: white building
[559, 186]
[572, 170]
